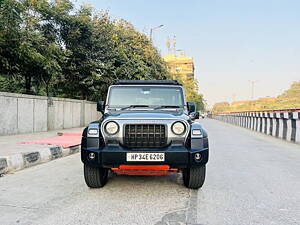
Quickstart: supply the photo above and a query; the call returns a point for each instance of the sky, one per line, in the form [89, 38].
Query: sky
[232, 42]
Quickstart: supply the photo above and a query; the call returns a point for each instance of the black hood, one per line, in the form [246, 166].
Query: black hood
[147, 114]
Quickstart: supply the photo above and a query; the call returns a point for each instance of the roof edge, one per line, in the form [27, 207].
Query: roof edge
[147, 82]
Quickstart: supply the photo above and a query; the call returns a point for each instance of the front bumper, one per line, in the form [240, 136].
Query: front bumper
[114, 156]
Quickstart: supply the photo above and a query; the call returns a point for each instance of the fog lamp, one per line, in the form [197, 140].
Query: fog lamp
[92, 155]
[197, 156]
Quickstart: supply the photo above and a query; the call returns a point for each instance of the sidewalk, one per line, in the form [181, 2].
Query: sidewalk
[25, 150]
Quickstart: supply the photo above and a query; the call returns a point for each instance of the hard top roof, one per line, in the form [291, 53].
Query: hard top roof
[147, 82]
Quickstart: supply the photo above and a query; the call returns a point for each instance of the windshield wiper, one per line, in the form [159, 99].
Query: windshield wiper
[167, 106]
[135, 106]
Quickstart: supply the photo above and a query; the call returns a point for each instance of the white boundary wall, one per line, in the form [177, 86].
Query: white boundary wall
[29, 113]
[280, 124]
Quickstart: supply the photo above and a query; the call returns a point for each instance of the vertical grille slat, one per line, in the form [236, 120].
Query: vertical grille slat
[145, 136]
[135, 140]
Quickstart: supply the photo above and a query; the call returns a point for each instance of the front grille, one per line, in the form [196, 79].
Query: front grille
[145, 136]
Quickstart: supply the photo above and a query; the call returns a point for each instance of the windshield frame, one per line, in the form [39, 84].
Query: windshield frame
[143, 85]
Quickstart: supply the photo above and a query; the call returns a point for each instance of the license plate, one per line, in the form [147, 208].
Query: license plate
[145, 157]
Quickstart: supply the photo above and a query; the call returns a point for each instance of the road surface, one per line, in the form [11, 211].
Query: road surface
[251, 179]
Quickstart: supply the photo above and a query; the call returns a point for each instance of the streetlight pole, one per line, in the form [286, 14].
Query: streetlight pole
[152, 29]
[252, 87]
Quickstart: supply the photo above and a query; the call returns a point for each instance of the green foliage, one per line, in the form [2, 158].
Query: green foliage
[191, 90]
[10, 85]
[221, 107]
[50, 48]
[288, 100]
[292, 93]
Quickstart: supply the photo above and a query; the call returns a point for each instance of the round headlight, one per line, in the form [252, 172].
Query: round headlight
[178, 128]
[111, 128]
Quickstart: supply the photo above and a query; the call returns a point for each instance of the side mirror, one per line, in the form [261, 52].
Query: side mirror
[194, 115]
[100, 106]
[191, 107]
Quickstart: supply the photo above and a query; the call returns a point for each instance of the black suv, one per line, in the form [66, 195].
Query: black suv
[146, 129]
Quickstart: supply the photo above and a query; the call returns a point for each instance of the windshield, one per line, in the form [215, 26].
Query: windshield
[151, 96]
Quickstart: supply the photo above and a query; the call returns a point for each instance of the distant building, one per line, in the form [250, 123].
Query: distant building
[182, 65]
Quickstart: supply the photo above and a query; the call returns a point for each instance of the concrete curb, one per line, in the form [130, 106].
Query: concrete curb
[24, 160]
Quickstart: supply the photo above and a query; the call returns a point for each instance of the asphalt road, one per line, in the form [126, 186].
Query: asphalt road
[251, 179]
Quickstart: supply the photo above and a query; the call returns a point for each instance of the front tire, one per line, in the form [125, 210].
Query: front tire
[194, 177]
[95, 177]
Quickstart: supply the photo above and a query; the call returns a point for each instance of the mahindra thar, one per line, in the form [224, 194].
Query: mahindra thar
[147, 128]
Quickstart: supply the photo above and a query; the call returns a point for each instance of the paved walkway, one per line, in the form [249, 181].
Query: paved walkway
[22, 143]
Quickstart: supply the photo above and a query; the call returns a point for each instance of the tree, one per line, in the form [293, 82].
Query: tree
[10, 24]
[28, 52]
[191, 90]
[221, 107]
[50, 48]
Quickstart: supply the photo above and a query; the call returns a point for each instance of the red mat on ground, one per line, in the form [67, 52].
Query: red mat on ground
[66, 140]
